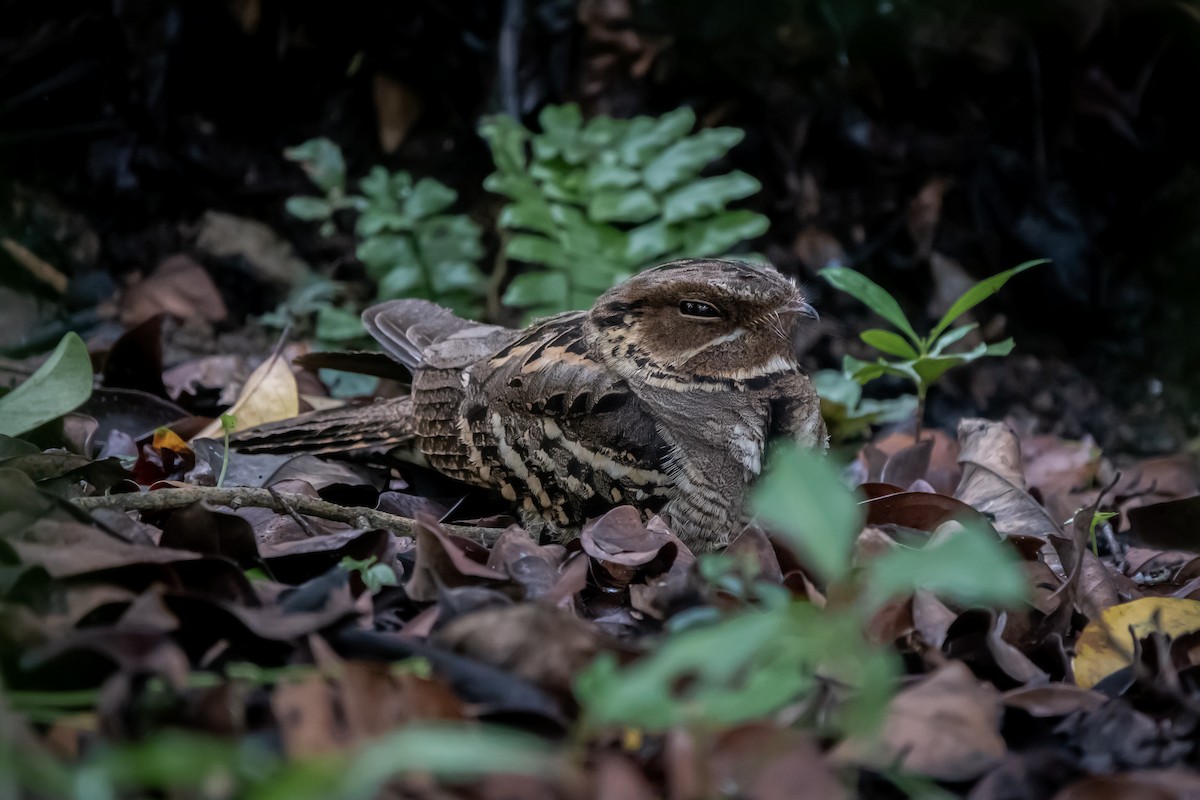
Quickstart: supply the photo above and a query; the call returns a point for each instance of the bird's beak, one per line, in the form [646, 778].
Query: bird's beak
[802, 308]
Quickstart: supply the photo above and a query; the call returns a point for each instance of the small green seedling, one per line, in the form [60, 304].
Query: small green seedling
[228, 423]
[920, 359]
[374, 575]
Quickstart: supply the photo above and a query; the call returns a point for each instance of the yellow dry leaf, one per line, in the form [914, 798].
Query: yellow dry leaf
[167, 438]
[1106, 644]
[270, 394]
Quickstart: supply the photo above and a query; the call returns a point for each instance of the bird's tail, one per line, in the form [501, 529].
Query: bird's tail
[382, 424]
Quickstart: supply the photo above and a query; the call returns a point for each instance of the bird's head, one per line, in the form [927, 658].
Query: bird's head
[716, 324]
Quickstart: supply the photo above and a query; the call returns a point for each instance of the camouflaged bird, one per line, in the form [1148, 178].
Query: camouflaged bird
[662, 396]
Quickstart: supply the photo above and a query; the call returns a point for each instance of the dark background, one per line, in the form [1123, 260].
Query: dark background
[890, 135]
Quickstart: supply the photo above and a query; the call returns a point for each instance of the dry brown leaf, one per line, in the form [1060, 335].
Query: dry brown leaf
[397, 108]
[178, 286]
[946, 727]
[270, 394]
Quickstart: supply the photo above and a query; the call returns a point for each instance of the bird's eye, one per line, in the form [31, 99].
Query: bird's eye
[698, 308]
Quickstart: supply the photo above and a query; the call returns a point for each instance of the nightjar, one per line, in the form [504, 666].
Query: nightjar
[663, 395]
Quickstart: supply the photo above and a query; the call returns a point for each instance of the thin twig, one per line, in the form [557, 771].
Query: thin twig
[283, 502]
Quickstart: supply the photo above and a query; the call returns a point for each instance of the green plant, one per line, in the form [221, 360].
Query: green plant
[920, 359]
[848, 414]
[780, 652]
[593, 203]
[408, 243]
[374, 575]
[61, 384]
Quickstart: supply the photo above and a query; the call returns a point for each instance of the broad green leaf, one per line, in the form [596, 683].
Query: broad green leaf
[376, 185]
[969, 567]
[407, 280]
[888, 342]
[338, 325]
[59, 386]
[980, 292]
[534, 249]
[603, 175]
[717, 236]
[707, 196]
[647, 244]
[686, 158]
[385, 252]
[322, 160]
[837, 387]
[646, 136]
[871, 294]
[451, 276]
[536, 289]
[427, 198]
[399, 184]
[449, 239]
[448, 751]
[637, 205]
[561, 121]
[738, 669]
[531, 215]
[559, 181]
[949, 338]
[1001, 348]
[378, 219]
[602, 132]
[309, 209]
[803, 498]
[861, 371]
[507, 139]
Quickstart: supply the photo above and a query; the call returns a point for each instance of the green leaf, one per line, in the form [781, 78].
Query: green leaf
[322, 160]
[537, 289]
[980, 292]
[950, 338]
[338, 325]
[707, 196]
[561, 121]
[803, 498]
[861, 371]
[531, 215]
[449, 239]
[1001, 348]
[888, 342]
[604, 173]
[534, 249]
[309, 209]
[736, 670]
[457, 276]
[969, 567]
[381, 219]
[377, 185]
[59, 386]
[427, 198]
[407, 280]
[637, 205]
[872, 295]
[647, 244]
[381, 254]
[646, 136]
[507, 139]
[688, 157]
[716, 236]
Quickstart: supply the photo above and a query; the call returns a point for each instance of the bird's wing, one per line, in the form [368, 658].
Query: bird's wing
[416, 332]
[557, 406]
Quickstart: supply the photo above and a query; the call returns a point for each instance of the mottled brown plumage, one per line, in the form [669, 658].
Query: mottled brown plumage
[663, 396]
